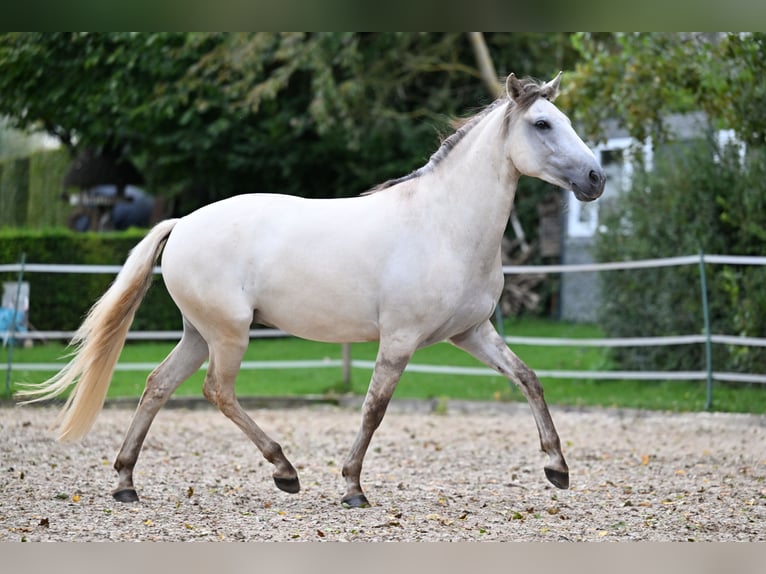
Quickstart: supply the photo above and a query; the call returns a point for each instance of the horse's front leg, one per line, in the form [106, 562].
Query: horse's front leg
[484, 343]
[389, 366]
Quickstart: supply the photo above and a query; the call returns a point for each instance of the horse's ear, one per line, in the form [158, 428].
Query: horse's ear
[550, 90]
[513, 87]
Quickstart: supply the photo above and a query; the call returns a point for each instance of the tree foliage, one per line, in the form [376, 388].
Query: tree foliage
[210, 115]
[638, 79]
[740, 89]
[701, 199]
[700, 195]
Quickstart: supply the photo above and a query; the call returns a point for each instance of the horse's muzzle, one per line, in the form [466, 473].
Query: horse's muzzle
[590, 187]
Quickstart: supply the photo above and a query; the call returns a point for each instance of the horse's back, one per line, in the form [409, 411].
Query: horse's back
[335, 270]
[310, 267]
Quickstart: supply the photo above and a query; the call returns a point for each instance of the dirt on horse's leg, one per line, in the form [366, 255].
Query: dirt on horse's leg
[225, 358]
[484, 343]
[179, 365]
[388, 370]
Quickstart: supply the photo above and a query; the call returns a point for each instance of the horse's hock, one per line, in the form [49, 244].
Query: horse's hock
[470, 474]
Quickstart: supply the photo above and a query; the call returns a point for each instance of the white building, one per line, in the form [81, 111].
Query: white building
[580, 299]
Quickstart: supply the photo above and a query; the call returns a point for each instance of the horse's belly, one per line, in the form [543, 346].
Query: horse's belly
[316, 320]
[320, 303]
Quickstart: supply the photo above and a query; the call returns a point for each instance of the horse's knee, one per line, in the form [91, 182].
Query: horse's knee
[153, 390]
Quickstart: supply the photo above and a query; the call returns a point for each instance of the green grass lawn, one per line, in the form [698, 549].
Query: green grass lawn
[669, 395]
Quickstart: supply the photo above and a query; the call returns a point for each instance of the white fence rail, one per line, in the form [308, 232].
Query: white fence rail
[706, 338]
[639, 264]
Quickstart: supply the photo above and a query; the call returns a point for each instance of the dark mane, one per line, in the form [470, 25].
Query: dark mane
[531, 91]
[447, 145]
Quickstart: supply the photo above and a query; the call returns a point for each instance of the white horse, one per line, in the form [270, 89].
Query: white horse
[413, 262]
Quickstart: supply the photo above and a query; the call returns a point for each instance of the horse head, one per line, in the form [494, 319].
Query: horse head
[543, 144]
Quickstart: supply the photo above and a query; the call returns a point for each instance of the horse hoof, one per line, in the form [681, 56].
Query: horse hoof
[291, 485]
[558, 478]
[125, 495]
[356, 501]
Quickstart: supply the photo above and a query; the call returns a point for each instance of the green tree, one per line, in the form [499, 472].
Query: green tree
[701, 198]
[210, 115]
[739, 90]
[637, 79]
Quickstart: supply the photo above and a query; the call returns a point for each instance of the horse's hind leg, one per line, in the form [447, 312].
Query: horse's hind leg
[484, 343]
[225, 359]
[179, 365]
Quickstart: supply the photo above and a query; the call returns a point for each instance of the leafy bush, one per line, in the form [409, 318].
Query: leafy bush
[31, 189]
[14, 190]
[698, 197]
[46, 206]
[59, 301]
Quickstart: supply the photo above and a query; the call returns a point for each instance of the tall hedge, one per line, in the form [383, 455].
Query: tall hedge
[699, 197]
[31, 190]
[59, 301]
[14, 191]
[46, 207]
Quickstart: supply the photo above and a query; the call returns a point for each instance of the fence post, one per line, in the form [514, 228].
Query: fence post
[346, 349]
[499, 325]
[12, 326]
[708, 346]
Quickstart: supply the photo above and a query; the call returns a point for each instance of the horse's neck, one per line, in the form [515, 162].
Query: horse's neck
[477, 183]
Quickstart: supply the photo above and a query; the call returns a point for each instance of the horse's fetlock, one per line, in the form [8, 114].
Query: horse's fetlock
[273, 452]
[120, 465]
[351, 470]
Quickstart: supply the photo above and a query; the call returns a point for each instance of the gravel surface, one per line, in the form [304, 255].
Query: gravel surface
[472, 473]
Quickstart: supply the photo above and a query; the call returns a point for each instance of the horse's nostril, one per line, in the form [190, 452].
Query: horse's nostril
[595, 177]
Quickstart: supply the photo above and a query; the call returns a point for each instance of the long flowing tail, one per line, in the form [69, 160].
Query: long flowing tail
[99, 341]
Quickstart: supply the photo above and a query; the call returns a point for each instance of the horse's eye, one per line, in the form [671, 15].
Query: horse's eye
[542, 125]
